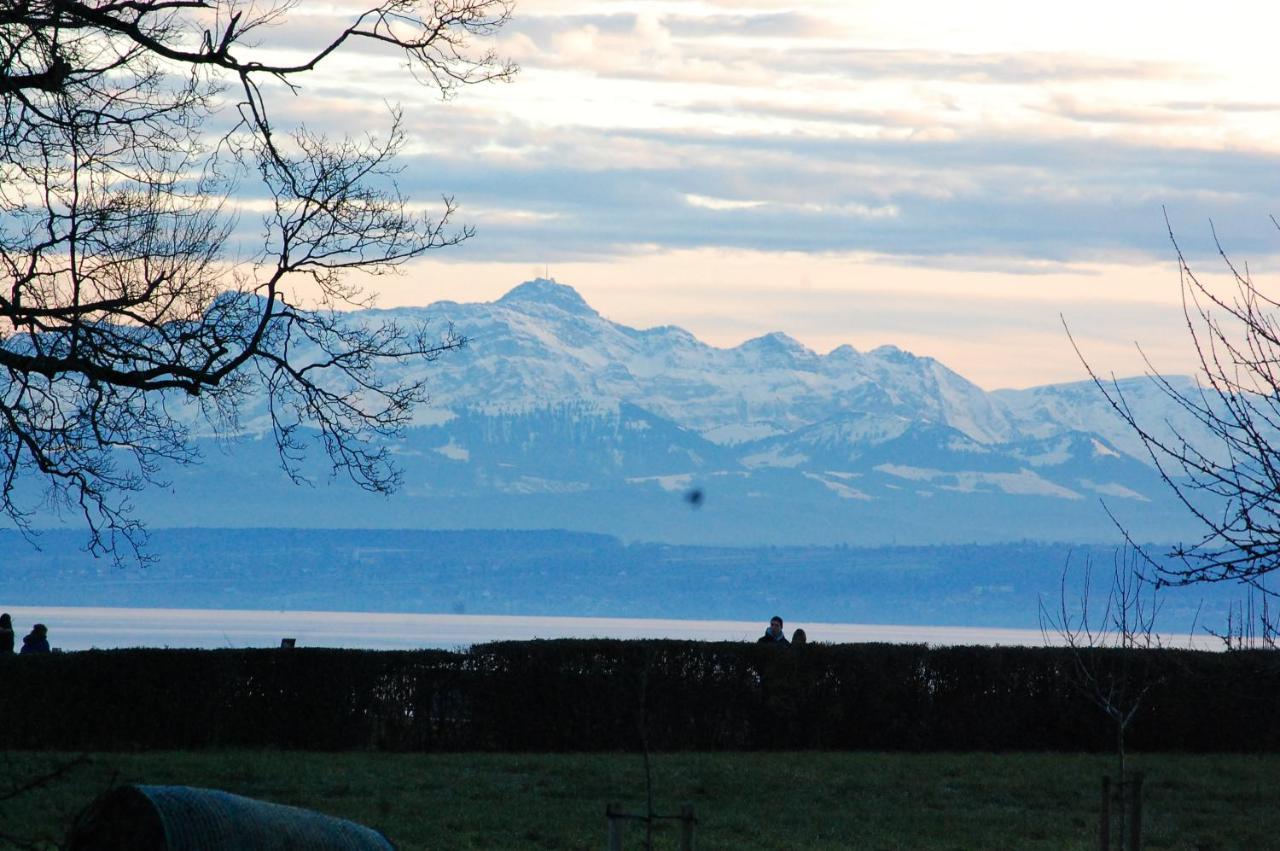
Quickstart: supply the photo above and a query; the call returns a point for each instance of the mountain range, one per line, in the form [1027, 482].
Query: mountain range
[555, 417]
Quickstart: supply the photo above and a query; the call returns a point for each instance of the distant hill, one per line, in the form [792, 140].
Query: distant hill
[570, 574]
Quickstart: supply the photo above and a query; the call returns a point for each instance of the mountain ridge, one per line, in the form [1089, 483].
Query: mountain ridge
[557, 417]
[754, 387]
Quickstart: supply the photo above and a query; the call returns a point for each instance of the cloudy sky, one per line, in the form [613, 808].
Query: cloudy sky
[951, 178]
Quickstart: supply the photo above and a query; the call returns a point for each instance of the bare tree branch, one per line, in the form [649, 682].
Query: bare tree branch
[127, 321]
[1227, 476]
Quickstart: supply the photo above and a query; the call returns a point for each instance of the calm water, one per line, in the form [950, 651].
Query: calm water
[84, 628]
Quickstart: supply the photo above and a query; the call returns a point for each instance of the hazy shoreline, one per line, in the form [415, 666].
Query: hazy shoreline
[83, 628]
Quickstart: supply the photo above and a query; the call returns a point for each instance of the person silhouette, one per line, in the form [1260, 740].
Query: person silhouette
[37, 641]
[774, 634]
[6, 634]
[799, 639]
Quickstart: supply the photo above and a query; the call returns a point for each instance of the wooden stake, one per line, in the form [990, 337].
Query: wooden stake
[612, 813]
[1104, 820]
[1135, 811]
[687, 821]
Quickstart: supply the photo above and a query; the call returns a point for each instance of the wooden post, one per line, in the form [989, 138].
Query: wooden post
[687, 821]
[1135, 811]
[1104, 820]
[612, 813]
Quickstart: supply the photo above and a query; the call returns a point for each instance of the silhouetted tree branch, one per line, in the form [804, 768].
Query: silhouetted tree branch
[132, 314]
[1227, 476]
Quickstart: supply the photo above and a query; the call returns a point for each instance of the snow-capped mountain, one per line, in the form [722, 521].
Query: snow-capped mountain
[541, 344]
[1080, 406]
[556, 417]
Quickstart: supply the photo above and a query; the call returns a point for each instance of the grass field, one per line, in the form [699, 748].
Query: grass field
[742, 800]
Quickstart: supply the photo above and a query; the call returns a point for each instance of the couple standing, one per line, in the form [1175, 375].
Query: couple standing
[36, 642]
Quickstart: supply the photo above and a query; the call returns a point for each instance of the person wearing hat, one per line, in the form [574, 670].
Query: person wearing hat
[37, 641]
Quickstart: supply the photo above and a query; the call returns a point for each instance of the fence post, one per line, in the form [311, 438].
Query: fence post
[611, 812]
[1135, 812]
[1104, 820]
[687, 822]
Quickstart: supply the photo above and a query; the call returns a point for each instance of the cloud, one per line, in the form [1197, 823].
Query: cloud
[1004, 67]
[1228, 106]
[1089, 111]
[814, 111]
[562, 192]
[1040, 200]
[761, 48]
[544, 28]
[765, 25]
[658, 128]
[720, 203]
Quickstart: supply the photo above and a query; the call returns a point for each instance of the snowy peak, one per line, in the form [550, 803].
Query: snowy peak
[545, 292]
[777, 349]
[775, 341]
[844, 354]
[893, 354]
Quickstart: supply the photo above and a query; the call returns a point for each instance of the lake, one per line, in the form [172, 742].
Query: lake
[83, 628]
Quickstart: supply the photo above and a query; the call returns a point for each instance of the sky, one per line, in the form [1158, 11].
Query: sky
[960, 180]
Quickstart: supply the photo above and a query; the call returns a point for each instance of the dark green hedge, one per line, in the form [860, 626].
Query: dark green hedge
[601, 694]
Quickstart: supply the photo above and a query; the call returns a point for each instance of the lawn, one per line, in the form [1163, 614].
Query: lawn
[742, 800]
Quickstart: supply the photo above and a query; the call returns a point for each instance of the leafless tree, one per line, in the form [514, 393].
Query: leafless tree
[1227, 473]
[134, 312]
[1126, 622]
[1110, 664]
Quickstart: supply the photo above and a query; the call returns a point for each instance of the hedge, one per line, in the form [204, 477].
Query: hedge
[573, 695]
